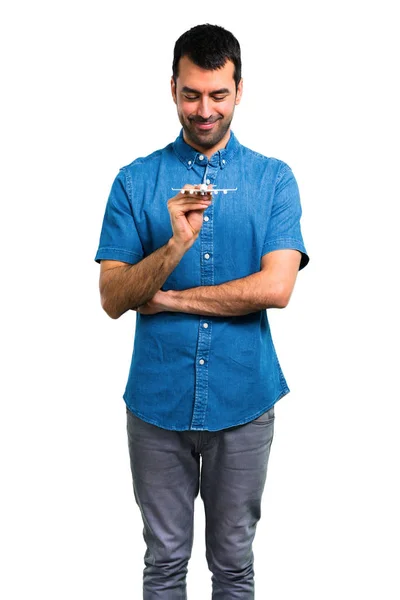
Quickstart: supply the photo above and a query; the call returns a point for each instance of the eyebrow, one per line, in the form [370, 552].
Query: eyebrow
[192, 91]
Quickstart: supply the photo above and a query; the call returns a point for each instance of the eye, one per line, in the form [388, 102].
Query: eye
[190, 97]
[219, 98]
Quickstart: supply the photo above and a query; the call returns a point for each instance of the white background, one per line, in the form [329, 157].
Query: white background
[85, 90]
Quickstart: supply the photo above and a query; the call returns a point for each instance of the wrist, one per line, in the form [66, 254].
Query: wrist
[177, 248]
[170, 301]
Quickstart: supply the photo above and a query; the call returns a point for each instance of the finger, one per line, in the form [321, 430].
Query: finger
[186, 209]
[191, 203]
[184, 203]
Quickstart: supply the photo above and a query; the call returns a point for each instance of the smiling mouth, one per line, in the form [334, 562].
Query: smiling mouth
[204, 126]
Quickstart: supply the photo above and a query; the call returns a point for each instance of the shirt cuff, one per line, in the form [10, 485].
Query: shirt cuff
[287, 243]
[107, 253]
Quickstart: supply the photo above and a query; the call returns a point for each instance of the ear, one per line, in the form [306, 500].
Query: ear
[239, 91]
[173, 89]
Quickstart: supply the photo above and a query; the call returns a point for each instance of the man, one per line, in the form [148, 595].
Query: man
[200, 269]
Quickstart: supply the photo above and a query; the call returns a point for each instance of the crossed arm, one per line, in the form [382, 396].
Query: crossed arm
[271, 287]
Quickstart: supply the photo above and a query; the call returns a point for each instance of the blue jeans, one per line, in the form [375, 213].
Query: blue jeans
[167, 476]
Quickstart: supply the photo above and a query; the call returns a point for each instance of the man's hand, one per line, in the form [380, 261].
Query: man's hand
[155, 305]
[186, 214]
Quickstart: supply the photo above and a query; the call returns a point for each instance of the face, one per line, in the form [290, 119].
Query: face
[205, 102]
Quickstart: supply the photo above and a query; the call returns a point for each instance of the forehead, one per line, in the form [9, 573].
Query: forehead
[192, 76]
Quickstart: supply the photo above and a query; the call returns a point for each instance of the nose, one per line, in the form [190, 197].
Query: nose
[204, 108]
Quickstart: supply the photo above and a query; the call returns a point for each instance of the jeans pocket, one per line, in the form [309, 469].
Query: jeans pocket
[266, 417]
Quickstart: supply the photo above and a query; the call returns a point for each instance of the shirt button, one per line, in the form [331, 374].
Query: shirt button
[205, 325]
[201, 361]
[223, 161]
[201, 157]
[206, 218]
[207, 256]
[189, 162]
[208, 182]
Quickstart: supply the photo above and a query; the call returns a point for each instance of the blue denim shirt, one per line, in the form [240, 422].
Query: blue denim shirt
[191, 371]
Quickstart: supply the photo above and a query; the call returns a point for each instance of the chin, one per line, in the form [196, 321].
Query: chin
[208, 139]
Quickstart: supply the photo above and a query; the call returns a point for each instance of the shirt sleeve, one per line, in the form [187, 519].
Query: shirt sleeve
[283, 229]
[119, 238]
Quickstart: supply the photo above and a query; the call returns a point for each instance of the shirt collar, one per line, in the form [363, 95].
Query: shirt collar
[190, 156]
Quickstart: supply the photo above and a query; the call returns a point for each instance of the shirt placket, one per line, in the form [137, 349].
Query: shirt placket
[202, 358]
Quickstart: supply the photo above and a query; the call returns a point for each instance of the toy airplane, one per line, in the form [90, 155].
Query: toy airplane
[204, 190]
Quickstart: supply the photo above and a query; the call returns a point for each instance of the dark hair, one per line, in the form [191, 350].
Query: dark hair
[209, 47]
